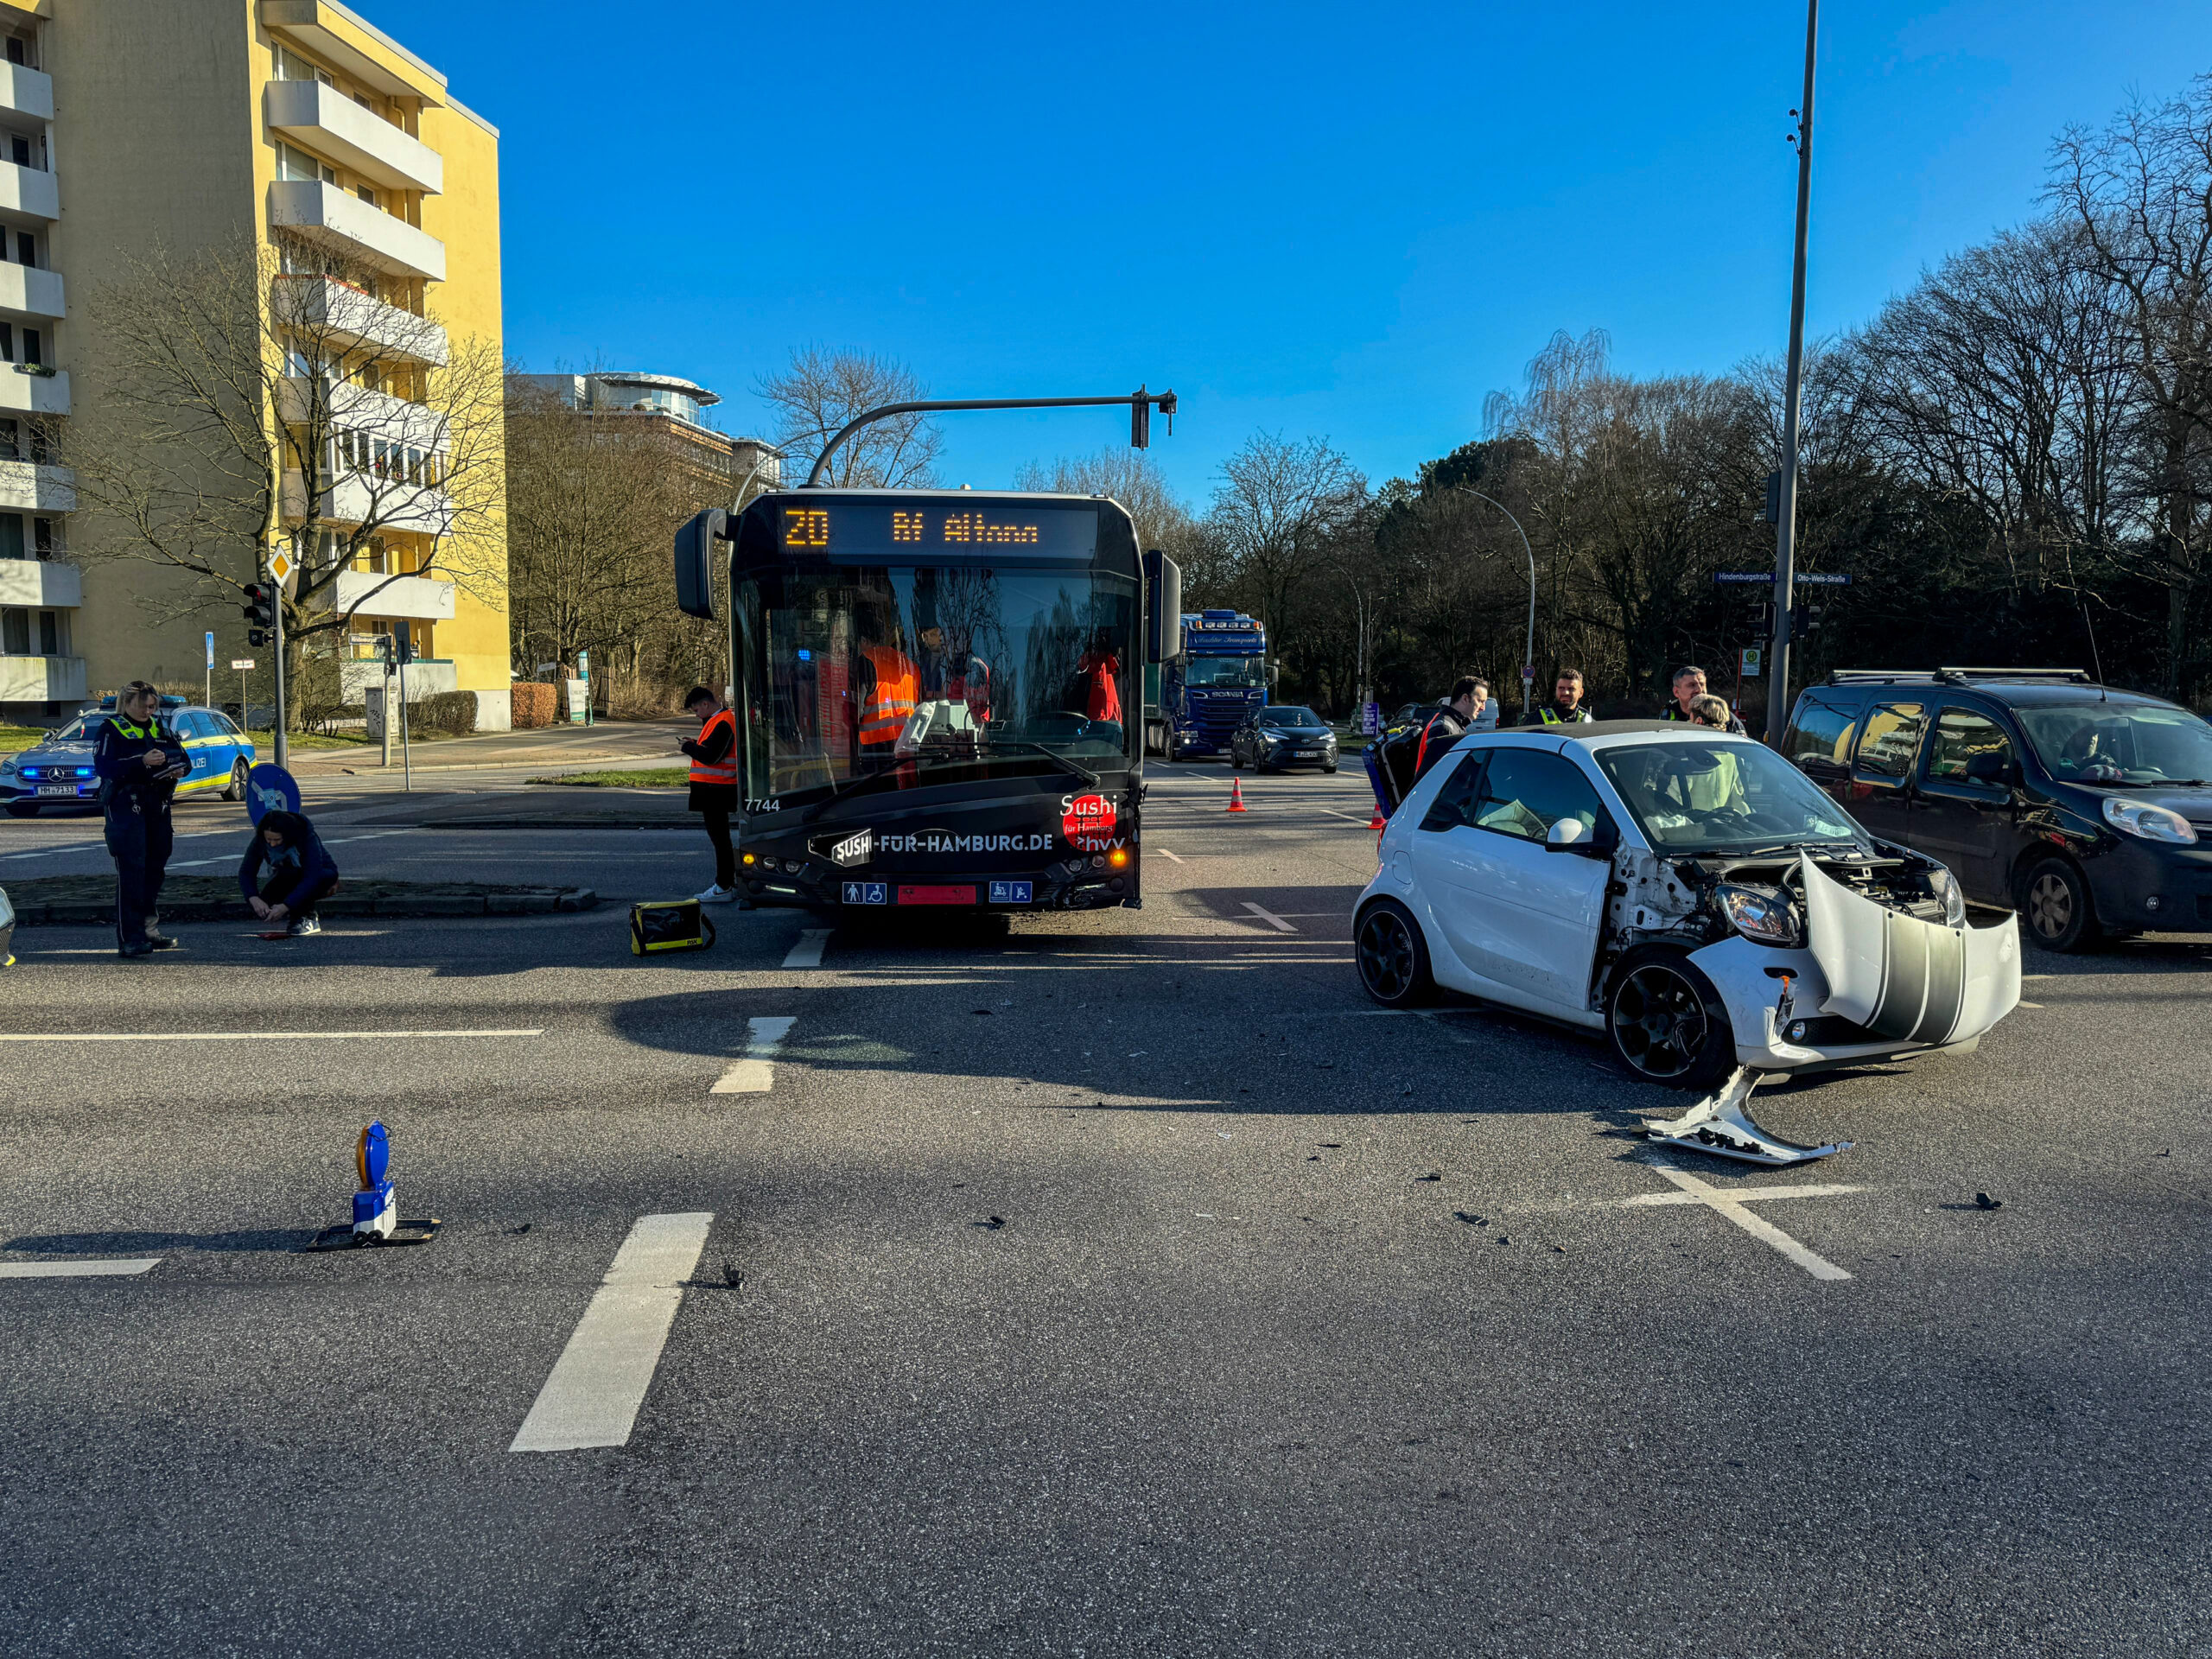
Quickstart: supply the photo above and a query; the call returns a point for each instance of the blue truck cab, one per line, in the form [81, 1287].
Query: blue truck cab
[1221, 676]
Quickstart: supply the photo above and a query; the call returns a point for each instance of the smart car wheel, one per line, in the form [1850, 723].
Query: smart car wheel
[1668, 1023]
[2054, 904]
[236, 789]
[1393, 956]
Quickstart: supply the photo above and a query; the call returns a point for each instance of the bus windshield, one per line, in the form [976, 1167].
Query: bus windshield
[854, 669]
[1228, 671]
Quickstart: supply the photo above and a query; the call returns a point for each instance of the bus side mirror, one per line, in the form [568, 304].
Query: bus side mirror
[1163, 607]
[695, 562]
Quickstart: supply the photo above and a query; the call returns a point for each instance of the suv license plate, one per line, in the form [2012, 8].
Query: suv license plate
[1309, 755]
[1011, 893]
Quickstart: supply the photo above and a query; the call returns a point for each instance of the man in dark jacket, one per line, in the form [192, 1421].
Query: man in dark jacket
[1689, 686]
[138, 761]
[286, 872]
[1451, 722]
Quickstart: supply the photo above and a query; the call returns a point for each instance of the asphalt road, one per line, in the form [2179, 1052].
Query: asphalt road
[1299, 1329]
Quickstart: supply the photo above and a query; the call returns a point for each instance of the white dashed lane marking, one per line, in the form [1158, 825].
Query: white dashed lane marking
[100, 1268]
[1270, 918]
[600, 1380]
[755, 1074]
[1164, 854]
[807, 953]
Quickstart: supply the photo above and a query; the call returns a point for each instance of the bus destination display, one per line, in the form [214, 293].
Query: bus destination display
[942, 524]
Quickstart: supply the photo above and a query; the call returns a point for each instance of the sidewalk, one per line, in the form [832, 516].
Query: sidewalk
[554, 748]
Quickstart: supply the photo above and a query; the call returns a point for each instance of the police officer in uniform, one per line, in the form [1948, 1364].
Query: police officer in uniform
[1565, 707]
[138, 761]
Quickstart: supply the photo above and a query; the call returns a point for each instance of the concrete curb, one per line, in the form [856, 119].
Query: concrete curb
[89, 901]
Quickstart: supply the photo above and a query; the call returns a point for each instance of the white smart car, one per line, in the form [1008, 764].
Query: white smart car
[1690, 892]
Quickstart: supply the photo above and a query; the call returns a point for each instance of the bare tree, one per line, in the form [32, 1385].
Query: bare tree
[1273, 511]
[1130, 477]
[252, 401]
[823, 390]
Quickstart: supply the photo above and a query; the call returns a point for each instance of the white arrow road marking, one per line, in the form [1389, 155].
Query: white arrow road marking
[243, 1036]
[600, 1380]
[756, 1073]
[1729, 1204]
[101, 1267]
[807, 953]
[1270, 919]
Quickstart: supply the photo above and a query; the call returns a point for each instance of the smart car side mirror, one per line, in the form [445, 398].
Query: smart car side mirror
[1573, 836]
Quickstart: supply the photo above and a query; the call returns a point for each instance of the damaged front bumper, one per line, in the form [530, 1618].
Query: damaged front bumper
[1870, 982]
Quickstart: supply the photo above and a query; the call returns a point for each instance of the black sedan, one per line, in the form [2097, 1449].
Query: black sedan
[1275, 738]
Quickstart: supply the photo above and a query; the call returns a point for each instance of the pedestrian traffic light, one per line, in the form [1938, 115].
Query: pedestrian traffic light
[1140, 421]
[255, 637]
[260, 607]
[1773, 513]
[1803, 619]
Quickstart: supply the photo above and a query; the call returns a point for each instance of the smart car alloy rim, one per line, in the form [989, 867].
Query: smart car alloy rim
[1659, 1021]
[1386, 954]
[2050, 906]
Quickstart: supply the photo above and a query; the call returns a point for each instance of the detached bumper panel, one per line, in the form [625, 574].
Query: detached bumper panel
[1905, 980]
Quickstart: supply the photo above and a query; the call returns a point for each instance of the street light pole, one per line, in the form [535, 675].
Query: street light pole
[1785, 533]
[1529, 652]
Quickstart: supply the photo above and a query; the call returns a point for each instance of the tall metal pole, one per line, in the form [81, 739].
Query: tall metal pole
[1528, 653]
[276, 620]
[1785, 529]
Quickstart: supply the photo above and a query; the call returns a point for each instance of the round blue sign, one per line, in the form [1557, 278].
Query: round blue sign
[269, 788]
[373, 1156]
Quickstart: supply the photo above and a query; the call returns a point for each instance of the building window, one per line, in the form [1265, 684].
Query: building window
[290, 66]
[366, 194]
[11, 535]
[50, 641]
[19, 51]
[45, 537]
[294, 163]
[27, 152]
[34, 348]
[15, 631]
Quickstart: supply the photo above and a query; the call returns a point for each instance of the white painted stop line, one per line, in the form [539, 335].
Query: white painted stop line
[756, 1073]
[807, 953]
[600, 1380]
[98, 1267]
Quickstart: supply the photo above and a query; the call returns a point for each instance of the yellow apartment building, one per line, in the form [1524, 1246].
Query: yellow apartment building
[190, 126]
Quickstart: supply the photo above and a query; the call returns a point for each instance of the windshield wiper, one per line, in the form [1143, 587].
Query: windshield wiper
[1051, 754]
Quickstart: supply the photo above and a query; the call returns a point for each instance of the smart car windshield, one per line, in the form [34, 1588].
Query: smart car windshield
[2120, 742]
[1721, 797]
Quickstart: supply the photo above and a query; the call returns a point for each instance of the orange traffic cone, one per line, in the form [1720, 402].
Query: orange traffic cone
[1380, 823]
[1236, 795]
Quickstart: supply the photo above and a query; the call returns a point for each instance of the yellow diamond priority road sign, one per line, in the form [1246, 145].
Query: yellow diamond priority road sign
[280, 566]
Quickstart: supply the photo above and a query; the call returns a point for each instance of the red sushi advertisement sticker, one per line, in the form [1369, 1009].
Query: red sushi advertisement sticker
[1088, 822]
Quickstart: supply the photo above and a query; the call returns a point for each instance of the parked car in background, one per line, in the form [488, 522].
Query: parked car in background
[1693, 896]
[56, 773]
[1279, 737]
[2086, 809]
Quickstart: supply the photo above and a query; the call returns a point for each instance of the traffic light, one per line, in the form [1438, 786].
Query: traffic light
[260, 607]
[1803, 619]
[403, 640]
[1140, 421]
[1773, 513]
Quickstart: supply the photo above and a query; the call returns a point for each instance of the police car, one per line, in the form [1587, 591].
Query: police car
[57, 772]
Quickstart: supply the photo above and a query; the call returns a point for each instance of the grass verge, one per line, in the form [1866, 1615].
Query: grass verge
[649, 778]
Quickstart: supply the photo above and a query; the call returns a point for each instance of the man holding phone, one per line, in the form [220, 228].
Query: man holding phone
[138, 761]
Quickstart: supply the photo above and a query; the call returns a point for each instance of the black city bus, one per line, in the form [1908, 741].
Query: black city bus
[938, 695]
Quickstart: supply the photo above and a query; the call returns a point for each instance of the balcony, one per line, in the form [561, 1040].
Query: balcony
[336, 127]
[43, 585]
[22, 393]
[374, 501]
[26, 91]
[25, 487]
[325, 214]
[42, 679]
[30, 191]
[345, 316]
[27, 291]
[427, 677]
[356, 409]
[419, 599]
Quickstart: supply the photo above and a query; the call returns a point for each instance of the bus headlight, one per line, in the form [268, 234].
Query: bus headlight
[1767, 918]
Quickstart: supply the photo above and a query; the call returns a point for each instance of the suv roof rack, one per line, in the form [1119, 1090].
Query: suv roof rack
[1953, 675]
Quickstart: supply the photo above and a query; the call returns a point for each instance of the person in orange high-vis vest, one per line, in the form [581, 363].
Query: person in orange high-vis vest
[714, 784]
[890, 701]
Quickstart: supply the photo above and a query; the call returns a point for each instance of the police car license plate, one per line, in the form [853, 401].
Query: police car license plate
[868, 892]
[68, 790]
[1011, 893]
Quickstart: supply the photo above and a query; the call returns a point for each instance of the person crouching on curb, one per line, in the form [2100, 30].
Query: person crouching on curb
[296, 870]
[714, 784]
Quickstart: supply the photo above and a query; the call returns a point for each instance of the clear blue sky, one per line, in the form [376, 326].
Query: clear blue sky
[1348, 221]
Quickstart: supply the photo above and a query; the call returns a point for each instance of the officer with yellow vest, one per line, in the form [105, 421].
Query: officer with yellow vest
[1565, 707]
[138, 761]
[714, 784]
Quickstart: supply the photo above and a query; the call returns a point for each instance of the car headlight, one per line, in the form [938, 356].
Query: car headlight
[1945, 885]
[1767, 918]
[7, 768]
[1272, 736]
[2148, 823]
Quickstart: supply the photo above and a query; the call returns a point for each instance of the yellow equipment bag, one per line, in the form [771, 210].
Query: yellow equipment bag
[669, 924]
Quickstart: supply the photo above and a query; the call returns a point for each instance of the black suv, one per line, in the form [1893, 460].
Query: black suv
[2087, 810]
[1277, 738]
